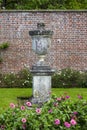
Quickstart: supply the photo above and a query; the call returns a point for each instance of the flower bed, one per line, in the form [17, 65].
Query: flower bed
[60, 113]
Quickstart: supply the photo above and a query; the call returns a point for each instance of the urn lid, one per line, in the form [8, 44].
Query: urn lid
[40, 30]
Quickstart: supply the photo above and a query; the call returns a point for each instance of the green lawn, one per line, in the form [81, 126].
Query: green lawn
[10, 95]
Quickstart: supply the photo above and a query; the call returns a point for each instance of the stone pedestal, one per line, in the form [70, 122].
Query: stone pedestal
[41, 83]
[41, 41]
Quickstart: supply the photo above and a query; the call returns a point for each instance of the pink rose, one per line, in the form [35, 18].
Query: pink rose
[50, 111]
[58, 99]
[75, 112]
[28, 104]
[2, 127]
[67, 124]
[57, 122]
[67, 96]
[12, 105]
[24, 120]
[73, 122]
[80, 97]
[38, 110]
[22, 107]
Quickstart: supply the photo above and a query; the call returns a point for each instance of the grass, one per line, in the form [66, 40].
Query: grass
[8, 95]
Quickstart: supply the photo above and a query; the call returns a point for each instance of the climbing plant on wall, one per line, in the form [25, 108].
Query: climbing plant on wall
[3, 46]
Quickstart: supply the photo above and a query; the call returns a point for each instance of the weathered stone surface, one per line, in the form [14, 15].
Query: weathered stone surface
[41, 83]
[41, 88]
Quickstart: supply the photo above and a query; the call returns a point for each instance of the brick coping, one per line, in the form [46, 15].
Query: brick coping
[42, 11]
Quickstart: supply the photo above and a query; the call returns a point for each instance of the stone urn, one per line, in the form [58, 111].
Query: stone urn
[41, 41]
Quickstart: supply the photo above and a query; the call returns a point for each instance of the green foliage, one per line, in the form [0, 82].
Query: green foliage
[9, 80]
[83, 4]
[1, 59]
[69, 78]
[72, 4]
[0, 2]
[84, 80]
[60, 113]
[66, 78]
[23, 79]
[46, 4]
[4, 45]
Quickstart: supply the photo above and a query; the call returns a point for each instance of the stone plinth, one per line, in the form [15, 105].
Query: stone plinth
[41, 83]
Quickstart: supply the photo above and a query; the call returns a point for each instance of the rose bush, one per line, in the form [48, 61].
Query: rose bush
[65, 78]
[60, 113]
[69, 78]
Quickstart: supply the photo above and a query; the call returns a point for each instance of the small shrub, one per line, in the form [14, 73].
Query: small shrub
[22, 79]
[4, 45]
[9, 80]
[84, 80]
[60, 113]
[67, 78]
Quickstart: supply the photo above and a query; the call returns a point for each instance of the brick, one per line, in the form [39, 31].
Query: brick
[69, 41]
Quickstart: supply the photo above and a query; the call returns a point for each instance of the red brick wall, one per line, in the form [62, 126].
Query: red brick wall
[69, 42]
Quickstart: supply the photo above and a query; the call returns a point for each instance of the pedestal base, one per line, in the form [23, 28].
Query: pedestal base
[41, 88]
[41, 83]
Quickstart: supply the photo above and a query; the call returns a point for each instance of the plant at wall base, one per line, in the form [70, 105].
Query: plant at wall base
[59, 113]
[84, 83]
[68, 78]
[23, 79]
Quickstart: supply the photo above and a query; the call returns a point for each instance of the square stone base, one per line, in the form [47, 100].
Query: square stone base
[41, 88]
